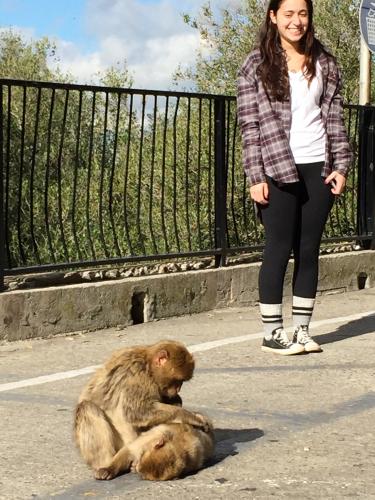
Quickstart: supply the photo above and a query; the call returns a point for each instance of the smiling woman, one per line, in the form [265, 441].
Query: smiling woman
[296, 156]
[292, 21]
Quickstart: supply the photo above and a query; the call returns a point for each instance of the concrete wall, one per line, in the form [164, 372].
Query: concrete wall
[49, 311]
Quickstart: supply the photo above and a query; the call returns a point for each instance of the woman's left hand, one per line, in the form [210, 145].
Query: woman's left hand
[337, 182]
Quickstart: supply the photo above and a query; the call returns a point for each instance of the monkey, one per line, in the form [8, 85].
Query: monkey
[167, 451]
[135, 390]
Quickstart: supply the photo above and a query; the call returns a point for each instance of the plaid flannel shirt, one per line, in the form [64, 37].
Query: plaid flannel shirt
[265, 125]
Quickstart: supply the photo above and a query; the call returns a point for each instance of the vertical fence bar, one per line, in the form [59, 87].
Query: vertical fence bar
[21, 180]
[47, 178]
[89, 176]
[152, 174]
[220, 183]
[209, 201]
[102, 176]
[175, 223]
[6, 174]
[2, 225]
[112, 176]
[187, 176]
[366, 178]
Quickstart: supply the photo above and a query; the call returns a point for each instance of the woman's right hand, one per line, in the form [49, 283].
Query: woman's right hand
[259, 193]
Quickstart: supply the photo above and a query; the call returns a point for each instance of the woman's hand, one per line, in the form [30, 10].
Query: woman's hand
[259, 193]
[337, 182]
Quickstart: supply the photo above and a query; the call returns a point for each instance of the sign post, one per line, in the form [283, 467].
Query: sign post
[367, 25]
[366, 172]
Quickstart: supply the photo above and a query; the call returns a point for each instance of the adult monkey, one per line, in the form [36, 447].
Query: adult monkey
[135, 390]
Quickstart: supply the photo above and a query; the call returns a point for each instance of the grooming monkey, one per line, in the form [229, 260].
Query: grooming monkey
[167, 451]
[135, 390]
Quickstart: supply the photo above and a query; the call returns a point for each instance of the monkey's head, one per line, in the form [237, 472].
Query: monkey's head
[161, 462]
[171, 365]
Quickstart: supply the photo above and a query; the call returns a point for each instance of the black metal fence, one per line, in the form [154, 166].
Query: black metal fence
[95, 175]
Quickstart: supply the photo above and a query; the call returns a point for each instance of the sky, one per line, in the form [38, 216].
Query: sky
[92, 35]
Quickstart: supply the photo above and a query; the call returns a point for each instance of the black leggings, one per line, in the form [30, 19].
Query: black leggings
[294, 219]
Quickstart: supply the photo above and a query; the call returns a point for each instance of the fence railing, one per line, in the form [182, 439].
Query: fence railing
[96, 175]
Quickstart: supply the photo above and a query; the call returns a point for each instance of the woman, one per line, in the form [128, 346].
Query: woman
[296, 156]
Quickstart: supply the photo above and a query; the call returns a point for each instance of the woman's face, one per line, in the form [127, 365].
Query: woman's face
[292, 21]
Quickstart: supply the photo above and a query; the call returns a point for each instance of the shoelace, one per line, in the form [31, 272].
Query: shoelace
[303, 336]
[282, 337]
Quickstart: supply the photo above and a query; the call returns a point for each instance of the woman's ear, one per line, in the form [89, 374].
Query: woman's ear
[273, 17]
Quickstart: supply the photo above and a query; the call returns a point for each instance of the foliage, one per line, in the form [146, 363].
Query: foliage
[93, 174]
[26, 61]
[232, 34]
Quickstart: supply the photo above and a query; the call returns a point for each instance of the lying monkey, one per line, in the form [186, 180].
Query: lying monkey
[167, 451]
[135, 390]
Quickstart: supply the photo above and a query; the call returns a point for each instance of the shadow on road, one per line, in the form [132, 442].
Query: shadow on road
[228, 439]
[351, 329]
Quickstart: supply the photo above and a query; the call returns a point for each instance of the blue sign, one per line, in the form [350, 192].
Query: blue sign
[367, 23]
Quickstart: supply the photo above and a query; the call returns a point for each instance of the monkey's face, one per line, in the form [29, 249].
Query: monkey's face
[172, 389]
[171, 368]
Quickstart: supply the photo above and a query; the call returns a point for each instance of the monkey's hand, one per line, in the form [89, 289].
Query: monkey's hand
[162, 413]
[105, 473]
[207, 424]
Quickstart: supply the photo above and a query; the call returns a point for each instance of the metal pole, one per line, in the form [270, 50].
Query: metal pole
[365, 74]
[2, 226]
[220, 183]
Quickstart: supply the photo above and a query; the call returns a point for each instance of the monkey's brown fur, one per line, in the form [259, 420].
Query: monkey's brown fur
[180, 449]
[128, 395]
[167, 451]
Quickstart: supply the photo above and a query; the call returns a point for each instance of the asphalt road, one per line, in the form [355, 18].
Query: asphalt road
[298, 427]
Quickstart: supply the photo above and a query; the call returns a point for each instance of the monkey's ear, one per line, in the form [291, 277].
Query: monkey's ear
[161, 357]
[159, 444]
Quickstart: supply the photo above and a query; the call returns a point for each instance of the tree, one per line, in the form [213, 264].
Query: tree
[231, 35]
[26, 61]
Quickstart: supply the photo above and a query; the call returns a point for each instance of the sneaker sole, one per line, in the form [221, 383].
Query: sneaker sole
[313, 349]
[283, 352]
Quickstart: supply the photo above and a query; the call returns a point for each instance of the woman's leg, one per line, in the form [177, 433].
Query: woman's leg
[279, 219]
[316, 203]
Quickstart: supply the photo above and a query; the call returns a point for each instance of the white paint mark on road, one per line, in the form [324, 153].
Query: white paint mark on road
[205, 346]
[44, 379]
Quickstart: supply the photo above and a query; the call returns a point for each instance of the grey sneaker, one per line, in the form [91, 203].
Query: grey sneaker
[301, 336]
[279, 343]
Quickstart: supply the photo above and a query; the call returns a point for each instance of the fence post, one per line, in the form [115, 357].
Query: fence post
[220, 183]
[366, 177]
[2, 225]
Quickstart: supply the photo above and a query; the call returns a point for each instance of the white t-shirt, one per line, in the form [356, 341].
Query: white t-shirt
[307, 134]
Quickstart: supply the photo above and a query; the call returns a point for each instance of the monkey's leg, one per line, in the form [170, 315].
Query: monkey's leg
[128, 456]
[96, 437]
[121, 462]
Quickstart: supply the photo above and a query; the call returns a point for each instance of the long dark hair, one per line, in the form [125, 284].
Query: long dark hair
[273, 69]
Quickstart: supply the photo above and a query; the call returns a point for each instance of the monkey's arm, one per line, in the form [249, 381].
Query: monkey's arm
[121, 462]
[161, 413]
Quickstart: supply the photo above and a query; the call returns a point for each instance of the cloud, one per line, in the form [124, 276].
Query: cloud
[150, 35]
[27, 34]
[83, 67]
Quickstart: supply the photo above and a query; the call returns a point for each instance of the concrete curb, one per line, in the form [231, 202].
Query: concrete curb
[45, 312]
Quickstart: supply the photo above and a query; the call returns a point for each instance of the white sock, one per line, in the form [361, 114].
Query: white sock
[302, 311]
[271, 317]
